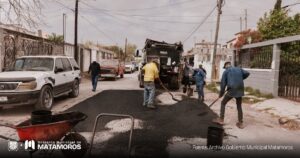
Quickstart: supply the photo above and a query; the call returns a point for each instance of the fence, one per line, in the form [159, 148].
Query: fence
[274, 66]
[259, 57]
[289, 74]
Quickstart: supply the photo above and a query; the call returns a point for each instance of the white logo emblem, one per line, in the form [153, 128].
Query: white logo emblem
[29, 145]
[13, 146]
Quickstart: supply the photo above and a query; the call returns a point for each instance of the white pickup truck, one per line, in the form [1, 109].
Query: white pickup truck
[36, 80]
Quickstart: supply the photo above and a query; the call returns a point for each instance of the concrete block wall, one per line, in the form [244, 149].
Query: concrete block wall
[261, 79]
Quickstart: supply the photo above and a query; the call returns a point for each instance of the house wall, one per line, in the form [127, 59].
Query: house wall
[69, 50]
[86, 59]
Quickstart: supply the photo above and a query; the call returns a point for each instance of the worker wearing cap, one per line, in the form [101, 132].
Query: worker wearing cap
[200, 76]
[150, 74]
[233, 79]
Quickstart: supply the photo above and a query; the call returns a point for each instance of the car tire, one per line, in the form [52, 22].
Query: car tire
[45, 100]
[141, 84]
[75, 89]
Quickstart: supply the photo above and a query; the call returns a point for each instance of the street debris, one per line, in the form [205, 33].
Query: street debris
[290, 124]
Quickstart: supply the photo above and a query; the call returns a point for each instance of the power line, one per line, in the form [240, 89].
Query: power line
[202, 22]
[96, 27]
[149, 8]
[129, 22]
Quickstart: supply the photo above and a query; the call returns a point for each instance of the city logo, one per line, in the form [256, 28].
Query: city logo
[13, 146]
[30, 145]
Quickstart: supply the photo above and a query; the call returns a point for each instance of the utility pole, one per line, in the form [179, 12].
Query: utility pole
[241, 24]
[246, 19]
[211, 35]
[76, 32]
[213, 70]
[64, 31]
[125, 50]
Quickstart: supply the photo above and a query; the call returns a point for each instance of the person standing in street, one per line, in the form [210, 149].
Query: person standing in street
[151, 73]
[186, 76]
[200, 76]
[94, 69]
[233, 79]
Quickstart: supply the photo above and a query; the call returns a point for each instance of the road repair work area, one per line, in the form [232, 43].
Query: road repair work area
[174, 129]
[149, 78]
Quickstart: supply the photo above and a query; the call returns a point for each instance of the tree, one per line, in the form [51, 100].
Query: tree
[277, 23]
[57, 39]
[116, 49]
[278, 5]
[25, 12]
[131, 48]
[253, 35]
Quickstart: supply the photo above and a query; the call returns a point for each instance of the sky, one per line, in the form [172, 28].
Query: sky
[109, 22]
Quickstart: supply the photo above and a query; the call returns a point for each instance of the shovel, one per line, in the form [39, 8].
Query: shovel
[210, 105]
[167, 90]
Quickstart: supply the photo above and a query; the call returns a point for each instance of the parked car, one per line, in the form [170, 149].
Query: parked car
[111, 69]
[36, 80]
[129, 68]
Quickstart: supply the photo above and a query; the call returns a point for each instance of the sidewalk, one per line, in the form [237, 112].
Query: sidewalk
[280, 107]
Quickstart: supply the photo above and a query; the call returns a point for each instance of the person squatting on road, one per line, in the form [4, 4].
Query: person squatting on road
[233, 79]
[186, 74]
[151, 73]
[200, 76]
[94, 69]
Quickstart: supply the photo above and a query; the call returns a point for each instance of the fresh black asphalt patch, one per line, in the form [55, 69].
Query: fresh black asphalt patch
[160, 125]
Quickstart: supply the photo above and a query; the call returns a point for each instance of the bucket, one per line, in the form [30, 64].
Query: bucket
[215, 137]
[41, 116]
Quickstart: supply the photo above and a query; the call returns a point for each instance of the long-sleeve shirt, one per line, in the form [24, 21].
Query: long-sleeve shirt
[94, 69]
[151, 72]
[233, 79]
[200, 76]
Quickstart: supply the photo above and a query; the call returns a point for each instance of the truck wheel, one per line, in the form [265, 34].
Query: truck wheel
[75, 137]
[174, 83]
[45, 100]
[141, 84]
[75, 89]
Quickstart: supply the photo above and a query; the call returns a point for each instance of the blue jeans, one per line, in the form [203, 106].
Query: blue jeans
[200, 91]
[149, 93]
[94, 81]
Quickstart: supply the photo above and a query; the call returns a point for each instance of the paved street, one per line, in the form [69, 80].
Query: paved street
[171, 130]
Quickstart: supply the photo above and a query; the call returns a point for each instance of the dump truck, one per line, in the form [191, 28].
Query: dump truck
[169, 61]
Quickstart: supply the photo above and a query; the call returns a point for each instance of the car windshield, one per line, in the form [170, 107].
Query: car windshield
[33, 64]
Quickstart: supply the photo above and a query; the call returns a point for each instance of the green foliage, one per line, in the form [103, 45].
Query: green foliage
[257, 93]
[277, 23]
[57, 39]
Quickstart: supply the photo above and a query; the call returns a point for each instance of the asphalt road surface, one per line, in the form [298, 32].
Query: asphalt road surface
[160, 125]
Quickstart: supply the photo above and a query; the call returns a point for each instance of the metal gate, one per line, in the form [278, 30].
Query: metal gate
[289, 75]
